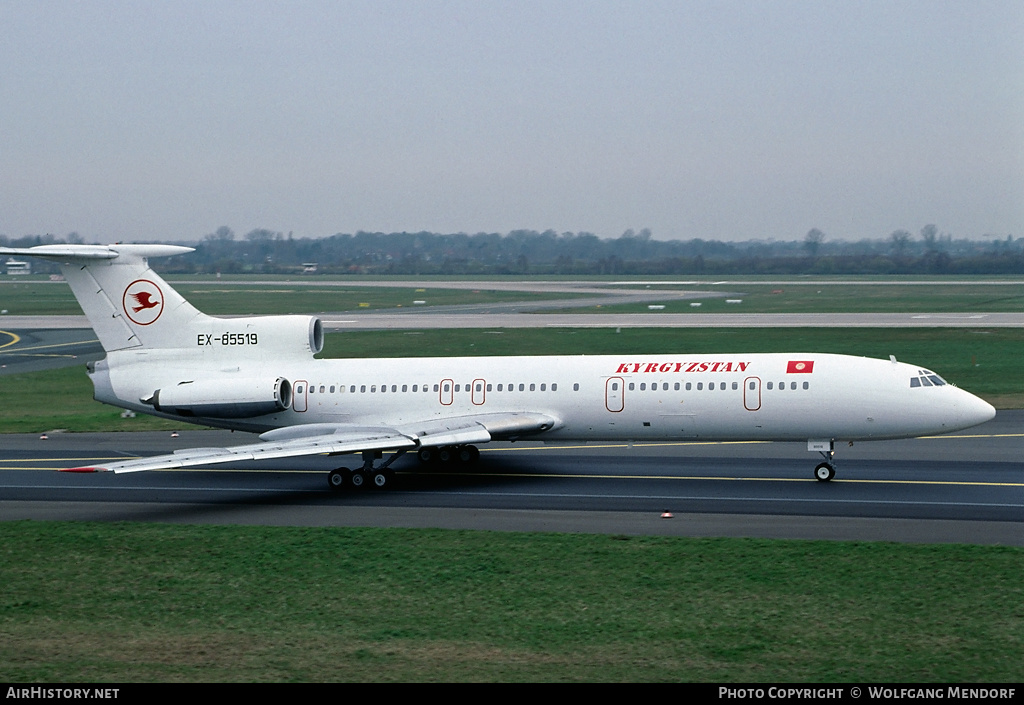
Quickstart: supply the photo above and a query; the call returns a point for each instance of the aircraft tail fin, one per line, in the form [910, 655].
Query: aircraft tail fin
[128, 304]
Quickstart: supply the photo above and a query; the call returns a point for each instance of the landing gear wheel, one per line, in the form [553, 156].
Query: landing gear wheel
[358, 479]
[824, 472]
[468, 455]
[427, 455]
[336, 479]
[383, 479]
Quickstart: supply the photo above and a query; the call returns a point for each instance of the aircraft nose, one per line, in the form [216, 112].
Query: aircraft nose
[975, 411]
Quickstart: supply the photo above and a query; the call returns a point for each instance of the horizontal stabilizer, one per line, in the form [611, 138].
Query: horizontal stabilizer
[93, 252]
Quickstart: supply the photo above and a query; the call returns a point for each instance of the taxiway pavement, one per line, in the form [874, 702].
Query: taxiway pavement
[964, 488]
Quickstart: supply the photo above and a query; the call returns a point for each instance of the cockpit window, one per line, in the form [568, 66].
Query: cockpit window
[926, 378]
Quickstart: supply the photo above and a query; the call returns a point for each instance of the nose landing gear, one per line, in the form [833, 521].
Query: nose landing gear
[825, 471]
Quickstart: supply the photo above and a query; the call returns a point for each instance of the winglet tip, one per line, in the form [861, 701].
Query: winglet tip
[82, 470]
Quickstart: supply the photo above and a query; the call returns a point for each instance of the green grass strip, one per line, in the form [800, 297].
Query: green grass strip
[87, 602]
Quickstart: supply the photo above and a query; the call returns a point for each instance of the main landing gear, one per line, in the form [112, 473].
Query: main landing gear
[449, 455]
[378, 477]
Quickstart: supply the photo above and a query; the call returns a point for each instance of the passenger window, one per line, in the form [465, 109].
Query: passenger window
[735, 385]
[554, 387]
[769, 385]
[807, 385]
[576, 386]
[700, 386]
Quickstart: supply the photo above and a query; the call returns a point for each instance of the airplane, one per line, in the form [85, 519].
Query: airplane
[261, 374]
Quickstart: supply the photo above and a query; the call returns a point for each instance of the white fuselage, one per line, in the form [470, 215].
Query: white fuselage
[791, 396]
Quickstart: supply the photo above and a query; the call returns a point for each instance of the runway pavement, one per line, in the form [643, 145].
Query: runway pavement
[966, 488]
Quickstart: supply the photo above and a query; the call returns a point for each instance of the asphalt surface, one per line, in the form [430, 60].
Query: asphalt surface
[965, 488]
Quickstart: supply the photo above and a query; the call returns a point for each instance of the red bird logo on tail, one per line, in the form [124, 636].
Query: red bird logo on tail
[148, 302]
[145, 300]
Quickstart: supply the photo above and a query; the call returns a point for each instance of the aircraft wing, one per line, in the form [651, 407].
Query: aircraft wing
[332, 439]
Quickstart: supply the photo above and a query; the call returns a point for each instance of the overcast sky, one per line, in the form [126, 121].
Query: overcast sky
[725, 120]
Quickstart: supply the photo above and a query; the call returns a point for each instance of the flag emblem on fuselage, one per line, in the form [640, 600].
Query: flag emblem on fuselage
[800, 366]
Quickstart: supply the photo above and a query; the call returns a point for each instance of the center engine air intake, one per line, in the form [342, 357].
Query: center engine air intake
[224, 398]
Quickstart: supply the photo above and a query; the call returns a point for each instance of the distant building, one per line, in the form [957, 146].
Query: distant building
[309, 267]
[16, 267]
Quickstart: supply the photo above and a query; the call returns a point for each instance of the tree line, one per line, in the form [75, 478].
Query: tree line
[523, 252]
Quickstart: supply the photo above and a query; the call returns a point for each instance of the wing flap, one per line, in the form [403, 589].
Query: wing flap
[384, 439]
[322, 439]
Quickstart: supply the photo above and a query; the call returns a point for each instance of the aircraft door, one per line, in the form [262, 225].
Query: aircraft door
[752, 393]
[447, 391]
[479, 393]
[301, 387]
[613, 394]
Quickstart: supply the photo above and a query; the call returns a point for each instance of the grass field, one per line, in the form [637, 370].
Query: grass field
[146, 602]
